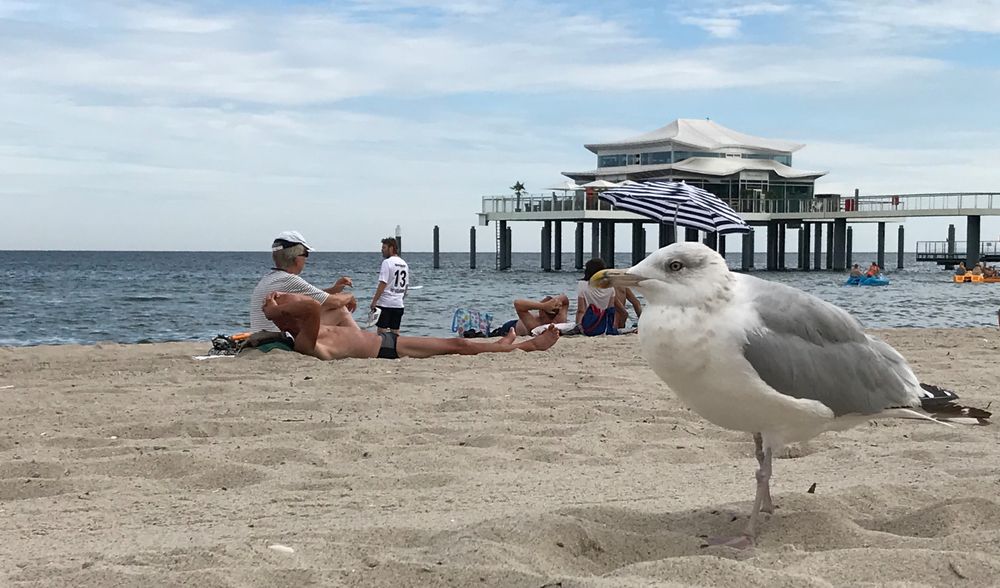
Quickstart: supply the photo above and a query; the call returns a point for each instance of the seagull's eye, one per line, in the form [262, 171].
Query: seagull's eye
[675, 266]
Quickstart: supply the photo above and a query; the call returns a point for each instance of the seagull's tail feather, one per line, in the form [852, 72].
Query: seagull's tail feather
[942, 405]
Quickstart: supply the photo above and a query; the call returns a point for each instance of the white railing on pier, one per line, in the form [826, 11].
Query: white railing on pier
[889, 203]
[958, 248]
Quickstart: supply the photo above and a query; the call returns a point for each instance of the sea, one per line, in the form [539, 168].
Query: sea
[86, 297]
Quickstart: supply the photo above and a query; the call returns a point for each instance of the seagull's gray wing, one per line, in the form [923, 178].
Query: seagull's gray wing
[811, 349]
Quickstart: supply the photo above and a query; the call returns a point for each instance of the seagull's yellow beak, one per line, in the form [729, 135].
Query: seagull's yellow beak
[608, 278]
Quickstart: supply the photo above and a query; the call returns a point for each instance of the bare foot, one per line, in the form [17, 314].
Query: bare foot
[509, 337]
[542, 341]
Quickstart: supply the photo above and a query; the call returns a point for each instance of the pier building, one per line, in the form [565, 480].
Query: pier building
[755, 176]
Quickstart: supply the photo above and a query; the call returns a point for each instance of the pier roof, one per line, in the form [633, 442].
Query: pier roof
[711, 166]
[702, 134]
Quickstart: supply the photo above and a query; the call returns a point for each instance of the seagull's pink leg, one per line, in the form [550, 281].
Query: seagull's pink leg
[761, 502]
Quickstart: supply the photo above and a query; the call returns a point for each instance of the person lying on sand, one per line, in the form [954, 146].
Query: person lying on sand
[300, 315]
[532, 314]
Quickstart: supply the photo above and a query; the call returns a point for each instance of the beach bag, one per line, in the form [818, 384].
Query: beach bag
[228, 344]
[467, 321]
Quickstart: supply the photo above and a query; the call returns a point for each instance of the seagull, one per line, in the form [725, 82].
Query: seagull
[768, 359]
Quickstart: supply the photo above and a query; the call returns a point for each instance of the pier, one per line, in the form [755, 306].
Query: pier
[823, 215]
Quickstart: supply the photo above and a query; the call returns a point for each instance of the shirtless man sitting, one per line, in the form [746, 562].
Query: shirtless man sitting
[550, 310]
[300, 315]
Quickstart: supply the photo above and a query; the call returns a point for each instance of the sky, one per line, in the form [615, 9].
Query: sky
[136, 125]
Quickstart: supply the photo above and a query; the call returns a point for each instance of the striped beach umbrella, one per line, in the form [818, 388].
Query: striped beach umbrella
[674, 202]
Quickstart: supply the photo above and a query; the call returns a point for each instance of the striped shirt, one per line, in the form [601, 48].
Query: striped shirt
[278, 281]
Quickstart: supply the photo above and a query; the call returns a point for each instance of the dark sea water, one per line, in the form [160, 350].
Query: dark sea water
[56, 297]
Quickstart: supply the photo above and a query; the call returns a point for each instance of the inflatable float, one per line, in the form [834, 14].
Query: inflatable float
[876, 280]
[977, 278]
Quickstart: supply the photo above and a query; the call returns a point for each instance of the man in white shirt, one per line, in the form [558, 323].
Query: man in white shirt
[393, 282]
[289, 252]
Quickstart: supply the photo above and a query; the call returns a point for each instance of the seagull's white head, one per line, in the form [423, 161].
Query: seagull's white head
[682, 274]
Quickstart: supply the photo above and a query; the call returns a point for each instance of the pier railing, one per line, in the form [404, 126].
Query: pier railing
[955, 251]
[891, 204]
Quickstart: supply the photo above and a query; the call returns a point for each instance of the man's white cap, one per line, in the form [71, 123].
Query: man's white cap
[286, 239]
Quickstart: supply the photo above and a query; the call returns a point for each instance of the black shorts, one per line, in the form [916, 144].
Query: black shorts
[390, 318]
[387, 350]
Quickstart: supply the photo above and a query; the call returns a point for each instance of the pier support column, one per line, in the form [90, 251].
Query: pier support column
[578, 247]
[501, 245]
[595, 239]
[509, 243]
[829, 246]
[880, 255]
[557, 265]
[798, 251]
[850, 247]
[839, 241]
[746, 254]
[607, 251]
[472, 247]
[638, 242]
[818, 247]
[712, 240]
[899, 248]
[668, 234]
[722, 245]
[780, 257]
[771, 252]
[806, 244]
[691, 235]
[972, 238]
[547, 246]
[951, 240]
[437, 247]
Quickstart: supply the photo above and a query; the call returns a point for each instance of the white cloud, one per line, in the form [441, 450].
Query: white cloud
[724, 21]
[719, 27]
[940, 16]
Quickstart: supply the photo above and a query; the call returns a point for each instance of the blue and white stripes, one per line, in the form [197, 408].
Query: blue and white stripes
[678, 203]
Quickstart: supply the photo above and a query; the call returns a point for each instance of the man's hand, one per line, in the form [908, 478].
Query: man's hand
[341, 283]
[348, 301]
[551, 306]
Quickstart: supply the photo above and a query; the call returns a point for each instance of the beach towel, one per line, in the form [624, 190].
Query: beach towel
[598, 321]
[564, 329]
[468, 320]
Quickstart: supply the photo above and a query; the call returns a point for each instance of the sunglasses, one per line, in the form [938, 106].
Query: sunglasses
[304, 254]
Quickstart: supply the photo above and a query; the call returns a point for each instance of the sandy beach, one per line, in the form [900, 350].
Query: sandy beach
[134, 465]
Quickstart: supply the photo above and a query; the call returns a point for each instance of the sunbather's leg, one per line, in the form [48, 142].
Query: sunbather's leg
[298, 314]
[338, 317]
[430, 346]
